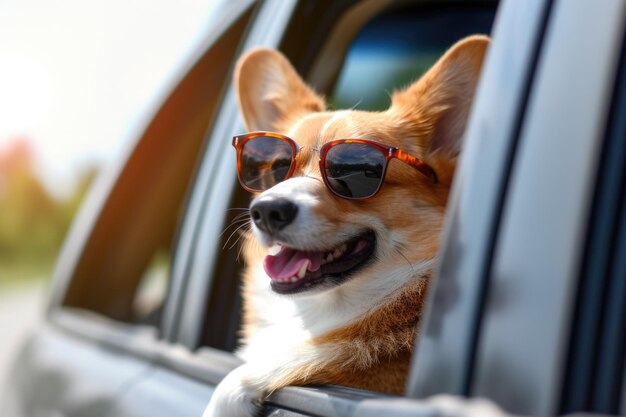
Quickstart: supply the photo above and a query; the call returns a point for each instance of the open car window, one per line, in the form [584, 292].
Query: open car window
[399, 45]
[117, 258]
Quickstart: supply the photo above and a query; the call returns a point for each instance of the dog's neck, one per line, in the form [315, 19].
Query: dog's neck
[371, 351]
[268, 315]
[324, 312]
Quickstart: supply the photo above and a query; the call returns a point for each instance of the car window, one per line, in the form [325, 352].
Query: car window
[398, 46]
[117, 259]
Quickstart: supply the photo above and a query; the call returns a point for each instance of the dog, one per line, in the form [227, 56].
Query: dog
[345, 225]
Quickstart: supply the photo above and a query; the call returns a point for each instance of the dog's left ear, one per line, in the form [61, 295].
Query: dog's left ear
[437, 105]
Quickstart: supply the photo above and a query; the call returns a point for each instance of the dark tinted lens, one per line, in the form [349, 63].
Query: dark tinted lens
[265, 161]
[354, 170]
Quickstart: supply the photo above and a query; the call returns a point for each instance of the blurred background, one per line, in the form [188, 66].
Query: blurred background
[77, 80]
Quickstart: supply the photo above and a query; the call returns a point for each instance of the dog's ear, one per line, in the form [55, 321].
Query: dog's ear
[270, 91]
[439, 102]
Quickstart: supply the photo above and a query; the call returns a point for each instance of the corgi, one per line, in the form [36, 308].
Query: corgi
[345, 225]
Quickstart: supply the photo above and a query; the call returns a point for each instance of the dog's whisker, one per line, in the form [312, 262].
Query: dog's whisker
[361, 100]
[240, 229]
[244, 215]
[251, 244]
[235, 224]
[241, 234]
[241, 215]
[239, 252]
[240, 218]
[405, 258]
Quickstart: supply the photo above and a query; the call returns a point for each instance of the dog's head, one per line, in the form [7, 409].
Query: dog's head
[320, 241]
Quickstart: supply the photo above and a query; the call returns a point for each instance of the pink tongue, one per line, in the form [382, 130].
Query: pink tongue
[287, 263]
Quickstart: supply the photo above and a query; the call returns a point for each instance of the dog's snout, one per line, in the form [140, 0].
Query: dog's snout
[273, 214]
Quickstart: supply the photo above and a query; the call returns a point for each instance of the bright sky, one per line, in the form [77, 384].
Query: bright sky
[77, 76]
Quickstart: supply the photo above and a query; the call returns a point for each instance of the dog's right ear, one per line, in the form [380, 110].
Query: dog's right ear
[439, 102]
[270, 91]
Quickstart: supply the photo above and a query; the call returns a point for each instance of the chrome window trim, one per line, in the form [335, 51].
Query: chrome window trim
[540, 242]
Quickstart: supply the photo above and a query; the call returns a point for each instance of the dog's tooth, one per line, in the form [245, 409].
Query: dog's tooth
[303, 269]
[274, 249]
[337, 253]
[330, 258]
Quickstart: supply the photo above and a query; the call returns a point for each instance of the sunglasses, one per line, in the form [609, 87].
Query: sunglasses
[353, 169]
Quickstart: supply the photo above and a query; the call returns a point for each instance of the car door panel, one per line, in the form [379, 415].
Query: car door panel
[163, 393]
[62, 374]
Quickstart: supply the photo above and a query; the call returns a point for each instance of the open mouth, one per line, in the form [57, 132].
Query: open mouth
[292, 271]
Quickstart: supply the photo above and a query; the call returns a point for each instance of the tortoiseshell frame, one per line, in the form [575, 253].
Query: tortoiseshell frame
[390, 152]
[240, 140]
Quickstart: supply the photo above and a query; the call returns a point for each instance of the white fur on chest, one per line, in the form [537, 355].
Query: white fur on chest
[288, 324]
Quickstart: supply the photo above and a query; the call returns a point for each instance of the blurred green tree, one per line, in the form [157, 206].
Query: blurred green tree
[32, 222]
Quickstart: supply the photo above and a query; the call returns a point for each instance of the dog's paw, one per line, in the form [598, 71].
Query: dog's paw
[235, 396]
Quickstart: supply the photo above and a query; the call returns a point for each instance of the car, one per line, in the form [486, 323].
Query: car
[528, 308]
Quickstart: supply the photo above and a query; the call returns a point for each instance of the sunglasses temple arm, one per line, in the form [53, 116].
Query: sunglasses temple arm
[416, 163]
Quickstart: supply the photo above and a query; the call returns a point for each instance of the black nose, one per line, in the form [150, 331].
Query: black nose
[273, 214]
